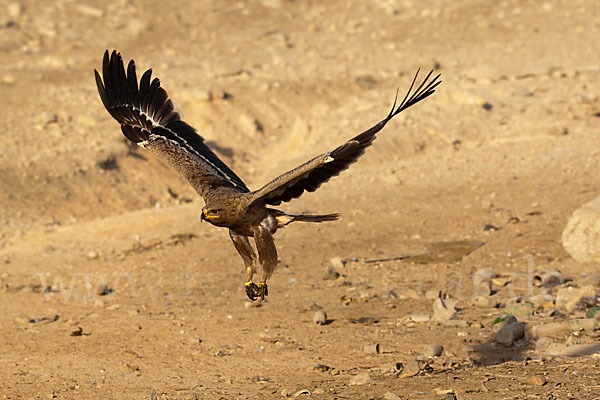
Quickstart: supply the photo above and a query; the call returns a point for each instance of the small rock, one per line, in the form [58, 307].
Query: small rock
[320, 317]
[510, 333]
[484, 302]
[541, 300]
[432, 294]
[330, 274]
[372, 348]
[519, 310]
[391, 396]
[336, 263]
[593, 312]
[14, 9]
[543, 343]
[433, 350]
[89, 11]
[361, 379]
[419, 317]
[580, 236]
[589, 279]
[92, 255]
[443, 310]
[536, 380]
[319, 391]
[570, 298]
[410, 369]
[584, 324]
[551, 329]
[482, 281]
[549, 278]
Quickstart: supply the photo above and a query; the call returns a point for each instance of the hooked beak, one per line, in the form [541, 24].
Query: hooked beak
[203, 215]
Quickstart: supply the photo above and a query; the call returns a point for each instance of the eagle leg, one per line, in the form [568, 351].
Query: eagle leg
[243, 247]
[267, 255]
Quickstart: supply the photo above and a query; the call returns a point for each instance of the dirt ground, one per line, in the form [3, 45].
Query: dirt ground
[110, 287]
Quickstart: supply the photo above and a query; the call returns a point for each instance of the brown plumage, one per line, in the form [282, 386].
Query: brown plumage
[148, 118]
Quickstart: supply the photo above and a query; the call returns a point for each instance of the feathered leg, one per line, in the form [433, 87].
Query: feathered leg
[267, 255]
[243, 247]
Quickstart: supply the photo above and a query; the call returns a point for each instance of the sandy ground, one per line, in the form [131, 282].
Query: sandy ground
[110, 287]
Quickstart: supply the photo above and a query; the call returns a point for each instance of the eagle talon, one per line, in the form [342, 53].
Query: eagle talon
[252, 290]
[263, 290]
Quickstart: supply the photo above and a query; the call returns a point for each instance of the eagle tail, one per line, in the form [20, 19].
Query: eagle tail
[284, 219]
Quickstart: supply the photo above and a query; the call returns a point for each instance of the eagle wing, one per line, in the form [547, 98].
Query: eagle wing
[313, 173]
[148, 118]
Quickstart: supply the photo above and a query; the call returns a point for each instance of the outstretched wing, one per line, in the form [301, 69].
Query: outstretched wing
[310, 175]
[148, 118]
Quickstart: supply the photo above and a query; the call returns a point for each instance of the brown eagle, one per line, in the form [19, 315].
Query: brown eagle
[148, 118]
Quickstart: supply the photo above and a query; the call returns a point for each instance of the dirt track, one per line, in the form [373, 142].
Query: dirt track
[509, 140]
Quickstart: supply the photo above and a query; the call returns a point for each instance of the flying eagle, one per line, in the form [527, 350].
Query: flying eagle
[148, 117]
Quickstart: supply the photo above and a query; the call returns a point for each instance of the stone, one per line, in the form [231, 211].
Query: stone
[581, 236]
[372, 348]
[543, 343]
[320, 317]
[589, 279]
[443, 310]
[593, 312]
[482, 281]
[519, 310]
[361, 379]
[570, 298]
[484, 302]
[536, 380]
[411, 368]
[433, 350]
[510, 333]
[576, 350]
[391, 396]
[549, 278]
[336, 262]
[584, 324]
[550, 330]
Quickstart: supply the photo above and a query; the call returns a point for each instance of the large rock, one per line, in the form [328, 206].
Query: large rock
[581, 237]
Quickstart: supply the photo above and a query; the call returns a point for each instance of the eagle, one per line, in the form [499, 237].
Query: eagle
[149, 118]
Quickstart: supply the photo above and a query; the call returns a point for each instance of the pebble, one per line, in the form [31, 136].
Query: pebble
[391, 396]
[320, 317]
[580, 236]
[14, 9]
[584, 324]
[411, 368]
[330, 274]
[543, 343]
[589, 279]
[484, 302]
[433, 350]
[519, 310]
[510, 333]
[541, 300]
[443, 310]
[551, 329]
[361, 379]
[536, 380]
[372, 348]
[89, 11]
[570, 298]
[482, 281]
[92, 255]
[549, 278]
[336, 263]
[593, 312]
